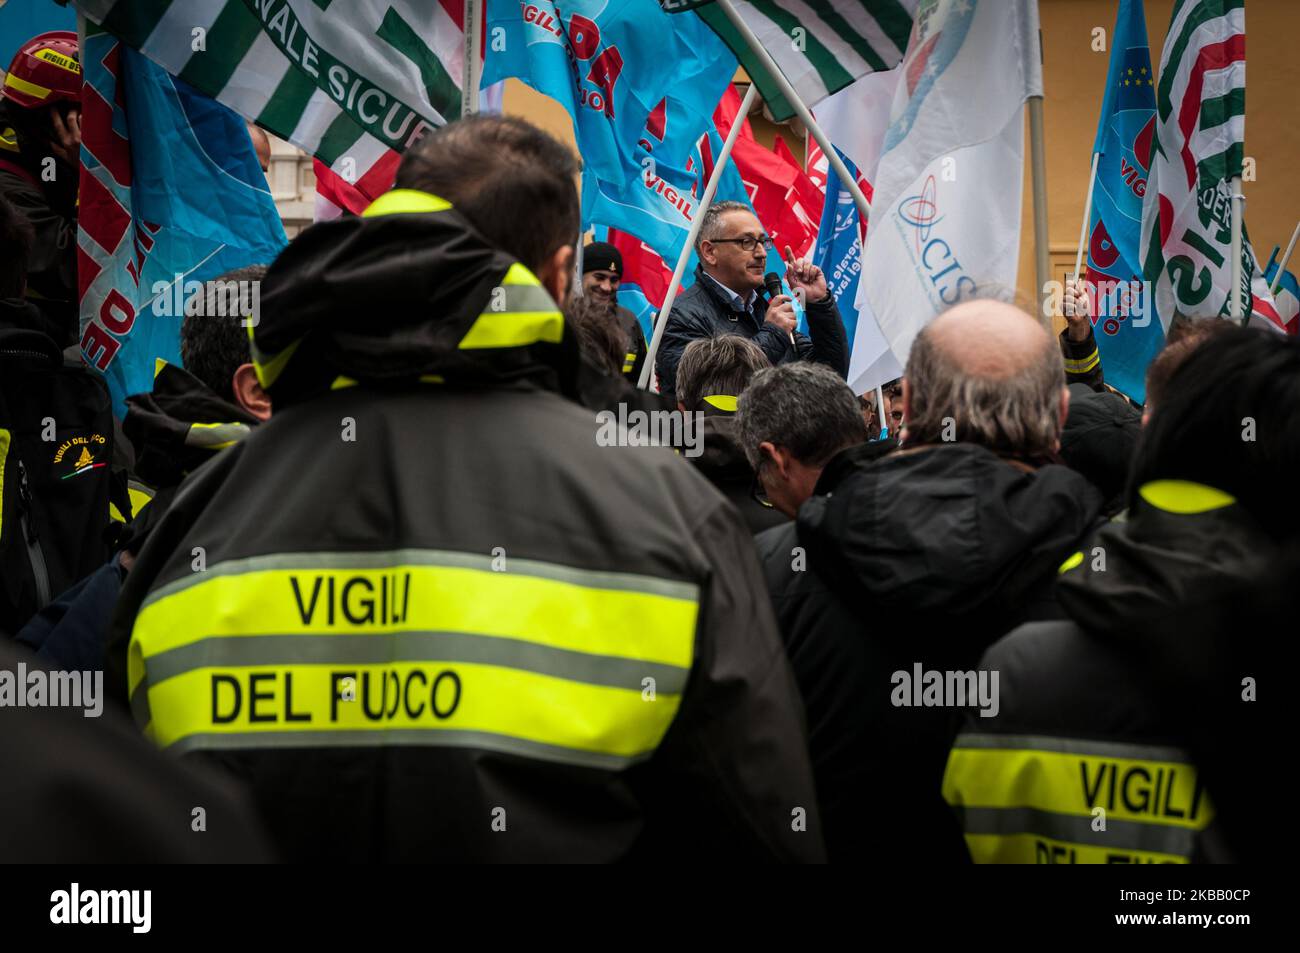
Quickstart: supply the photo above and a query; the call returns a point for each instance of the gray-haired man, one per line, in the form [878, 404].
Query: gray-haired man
[726, 299]
[922, 557]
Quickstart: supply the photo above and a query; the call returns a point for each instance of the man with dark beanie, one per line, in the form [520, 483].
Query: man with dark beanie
[602, 273]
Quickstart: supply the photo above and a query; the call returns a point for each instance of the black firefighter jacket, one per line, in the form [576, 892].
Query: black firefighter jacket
[912, 558]
[426, 617]
[703, 311]
[1093, 756]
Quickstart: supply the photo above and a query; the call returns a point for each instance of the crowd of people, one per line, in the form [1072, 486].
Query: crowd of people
[362, 583]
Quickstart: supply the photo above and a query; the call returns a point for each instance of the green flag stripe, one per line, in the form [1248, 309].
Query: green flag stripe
[826, 13]
[776, 102]
[1208, 10]
[339, 137]
[285, 107]
[1225, 165]
[894, 19]
[229, 38]
[134, 20]
[1215, 112]
[444, 94]
[833, 76]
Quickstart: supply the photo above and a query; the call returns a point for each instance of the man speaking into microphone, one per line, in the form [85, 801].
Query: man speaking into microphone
[727, 298]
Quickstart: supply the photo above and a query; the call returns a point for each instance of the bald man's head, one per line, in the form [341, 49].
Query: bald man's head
[986, 372]
[261, 145]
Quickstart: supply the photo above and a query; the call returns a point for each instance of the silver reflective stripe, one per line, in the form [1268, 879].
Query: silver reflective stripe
[1083, 746]
[525, 298]
[216, 435]
[413, 646]
[592, 579]
[408, 737]
[1119, 835]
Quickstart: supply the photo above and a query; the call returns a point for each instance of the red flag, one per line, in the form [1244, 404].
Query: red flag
[786, 201]
[642, 265]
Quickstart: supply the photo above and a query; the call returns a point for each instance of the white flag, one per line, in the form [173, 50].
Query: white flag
[946, 210]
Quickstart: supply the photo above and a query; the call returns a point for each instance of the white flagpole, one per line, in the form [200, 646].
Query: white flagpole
[881, 419]
[832, 157]
[1087, 217]
[709, 191]
[1286, 257]
[473, 57]
[1236, 212]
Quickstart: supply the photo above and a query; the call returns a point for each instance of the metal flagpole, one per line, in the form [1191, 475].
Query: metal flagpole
[1286, 257]
[833, 157]
[1087, 217]
[1235, 210]
[709, 190]
[473, 57]
[1038, 169]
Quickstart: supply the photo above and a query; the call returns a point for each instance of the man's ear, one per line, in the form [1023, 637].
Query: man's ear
[557, 273]
[249, 393]
[770, 451]
[708, 254]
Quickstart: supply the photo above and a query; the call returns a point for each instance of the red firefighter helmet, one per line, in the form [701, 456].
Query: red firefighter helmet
[45, 70]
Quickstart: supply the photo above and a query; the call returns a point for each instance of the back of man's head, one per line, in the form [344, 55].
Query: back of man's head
[601, 338]
[803, 407]
[1185, 336]
[717, 367]
[987, 373]
[16, 239]
[214, 338]
[1227, 419]
[512, 181]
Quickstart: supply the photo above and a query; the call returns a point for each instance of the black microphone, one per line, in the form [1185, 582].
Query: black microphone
[772, 281]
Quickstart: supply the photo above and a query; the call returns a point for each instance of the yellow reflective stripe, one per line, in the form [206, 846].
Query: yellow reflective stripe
[1036, 849]
[651, 626]
[158, 365]
[23, 86]
[405, 202]
[519, 274]
[432, 379]
[1184, 497]
[342, 382]
[722, 402]
[59, 60]
[269, 367]
[513, 329]
[429, 695]
[1083, 364]
[216, 436]
[1149, 791]
[139, 499]
[1072, 562]
[629, 361]
[8, 139]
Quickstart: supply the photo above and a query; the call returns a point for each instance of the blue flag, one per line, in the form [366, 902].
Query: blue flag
[1128, 332]
[641, 87]
[171, 195]
[839, 245]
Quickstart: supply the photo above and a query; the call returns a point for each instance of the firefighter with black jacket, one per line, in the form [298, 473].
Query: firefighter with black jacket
[40, 139]
[420, 611]
[1095, 754]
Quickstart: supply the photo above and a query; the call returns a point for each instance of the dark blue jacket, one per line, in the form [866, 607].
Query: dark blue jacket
[702, 311]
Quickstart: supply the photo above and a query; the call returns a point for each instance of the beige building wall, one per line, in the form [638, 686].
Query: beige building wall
[1073, 81]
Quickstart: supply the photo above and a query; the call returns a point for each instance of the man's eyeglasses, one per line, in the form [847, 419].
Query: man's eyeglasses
[747, 243]
[758, 493]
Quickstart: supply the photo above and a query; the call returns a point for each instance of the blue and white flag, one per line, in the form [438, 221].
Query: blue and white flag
[171, 195]
[1128, 332]
[641, 87]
